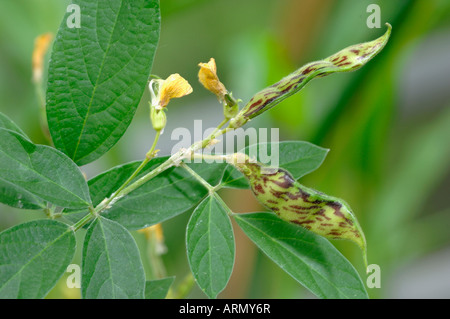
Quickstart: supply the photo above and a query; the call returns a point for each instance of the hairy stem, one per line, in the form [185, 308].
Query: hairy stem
[211, 189]
[126, 188]
[198, 177]
[86, 219]
[174, 160]
[213, 134]
[150, 154]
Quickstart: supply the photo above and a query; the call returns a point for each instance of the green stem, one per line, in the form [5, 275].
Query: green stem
[198, 177]
[210, 156]
[211, 189]
[183, 289]
[83, 221]
[150, 154]
[126, 188]
[174, 160]
[213, 134]
[161, 168]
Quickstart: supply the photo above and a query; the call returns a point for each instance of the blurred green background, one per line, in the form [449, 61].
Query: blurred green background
[387, 125]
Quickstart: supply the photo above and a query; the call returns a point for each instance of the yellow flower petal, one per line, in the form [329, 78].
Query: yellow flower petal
[209, 79]
[40, 48]
[173, 87]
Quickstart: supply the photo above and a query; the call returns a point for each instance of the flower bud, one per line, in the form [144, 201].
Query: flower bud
[162, 91]
[158, 118]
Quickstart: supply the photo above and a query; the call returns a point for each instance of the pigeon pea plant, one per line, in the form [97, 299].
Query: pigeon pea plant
[96, 78]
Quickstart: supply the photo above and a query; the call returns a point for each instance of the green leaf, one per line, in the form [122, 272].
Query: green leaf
[210, 246]
[30, 174]
[163, 197]
[310, 259]
[7, 123]
[158, 289]
[9, 194]
[112, 267]
[98, 72]
[298, 157]
[33, 256]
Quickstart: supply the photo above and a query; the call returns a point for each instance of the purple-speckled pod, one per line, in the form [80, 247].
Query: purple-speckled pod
[348, 59]
[276, 189]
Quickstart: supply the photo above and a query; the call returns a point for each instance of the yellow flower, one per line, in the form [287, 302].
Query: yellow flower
[209, 79]
[40, 48]
[174, 86]
[162, 91]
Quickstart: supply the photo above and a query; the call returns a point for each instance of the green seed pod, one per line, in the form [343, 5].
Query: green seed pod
[276, 189]
[158, 118]
[346, 60]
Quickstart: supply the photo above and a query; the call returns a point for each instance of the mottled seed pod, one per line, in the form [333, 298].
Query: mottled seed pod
[346, 60]
[276, 189]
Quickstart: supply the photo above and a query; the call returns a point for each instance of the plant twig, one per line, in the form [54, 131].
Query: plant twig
[198, 177]
[150, 154]
[211, 189]
[126, 188]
